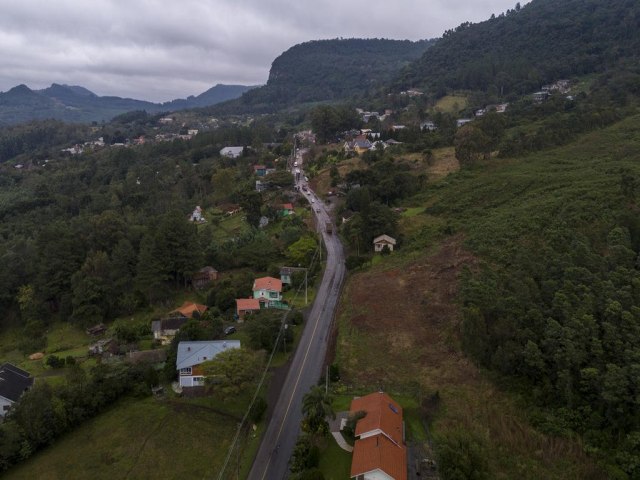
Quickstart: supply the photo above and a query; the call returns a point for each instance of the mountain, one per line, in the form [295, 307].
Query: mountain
[329, 70]
[77, 104]
[219, 93]
[541, 42]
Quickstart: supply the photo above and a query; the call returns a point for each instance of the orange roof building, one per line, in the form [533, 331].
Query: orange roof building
[245, 306]
[188, 309]
[384, 415]
[270, 284]
[377, 455]
[379, 450]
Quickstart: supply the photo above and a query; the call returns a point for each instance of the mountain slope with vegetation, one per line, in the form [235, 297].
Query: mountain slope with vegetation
[519, 51]
[329, 70]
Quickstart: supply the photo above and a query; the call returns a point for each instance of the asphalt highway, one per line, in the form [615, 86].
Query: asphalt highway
[276, 447]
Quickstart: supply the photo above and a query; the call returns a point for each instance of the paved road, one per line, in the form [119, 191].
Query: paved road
[271, 462]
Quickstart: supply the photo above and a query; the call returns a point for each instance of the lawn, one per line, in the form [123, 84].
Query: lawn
[138, 439]
[451, 104]
[335, 463]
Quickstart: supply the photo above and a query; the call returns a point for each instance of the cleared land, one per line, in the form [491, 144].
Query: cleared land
[451, 104]
[138, 439]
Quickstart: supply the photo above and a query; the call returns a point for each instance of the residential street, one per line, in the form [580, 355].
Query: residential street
[277, 444]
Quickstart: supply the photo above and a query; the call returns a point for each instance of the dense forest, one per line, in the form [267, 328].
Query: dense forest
[98, 235]
[521, 50]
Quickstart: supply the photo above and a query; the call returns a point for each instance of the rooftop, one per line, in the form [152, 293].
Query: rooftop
[267, 283]
[379, 453]
[195, 353]
[383, 414]
[13, 382]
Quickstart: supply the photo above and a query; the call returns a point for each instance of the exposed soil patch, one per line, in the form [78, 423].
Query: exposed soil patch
[410, 310]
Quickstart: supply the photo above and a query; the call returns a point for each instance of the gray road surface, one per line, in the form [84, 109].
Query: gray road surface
[271, 462]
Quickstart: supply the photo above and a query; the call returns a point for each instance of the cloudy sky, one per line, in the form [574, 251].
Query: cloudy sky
[159, 50]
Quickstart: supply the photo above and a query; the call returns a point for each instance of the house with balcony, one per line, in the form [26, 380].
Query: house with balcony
[268, 291]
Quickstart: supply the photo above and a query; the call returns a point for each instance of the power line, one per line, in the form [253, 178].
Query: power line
[264, 375]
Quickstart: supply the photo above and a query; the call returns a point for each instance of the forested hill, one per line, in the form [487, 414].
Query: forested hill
[331, 70]
[77, 104]
[519, 51]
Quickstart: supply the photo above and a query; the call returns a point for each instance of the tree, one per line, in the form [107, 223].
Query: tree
[301, 252]
[251, 203]
[470, 144]
[93, 294]
[150, 272]
[233, 370]
[316, 407]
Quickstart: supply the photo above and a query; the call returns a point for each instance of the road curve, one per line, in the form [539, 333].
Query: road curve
[271, 461]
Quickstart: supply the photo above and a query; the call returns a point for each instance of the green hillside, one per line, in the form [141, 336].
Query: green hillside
[329, 70]
[555, 303]
[539, 43]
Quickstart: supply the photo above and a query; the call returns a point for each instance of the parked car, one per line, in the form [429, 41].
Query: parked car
[229, 330]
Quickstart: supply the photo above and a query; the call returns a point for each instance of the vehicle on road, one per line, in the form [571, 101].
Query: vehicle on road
[317, 210]
[313, 200]
[329, 227]
[229, 330]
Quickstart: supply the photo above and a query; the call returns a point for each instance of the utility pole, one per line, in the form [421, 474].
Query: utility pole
[306, 284]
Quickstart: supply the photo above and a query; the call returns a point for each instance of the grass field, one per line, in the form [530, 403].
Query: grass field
[137, 439]
[451, 104]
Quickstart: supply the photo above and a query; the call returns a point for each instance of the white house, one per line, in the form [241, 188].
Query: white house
[384, 241]
[193, 354]
[231, 152]
[13, 383]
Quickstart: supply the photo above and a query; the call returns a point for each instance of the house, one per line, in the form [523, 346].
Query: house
[268, 290]
[196, 216]
[261, 186]
[502, 107]
[106, 346]
[392, 142]
[96, 330]
[285, 275]
[204, 277]
[379, 243]
[260, 170]
[540, 96]
[287, 209]
[191, 355]
[359, 145]
[463, 121]
[231, 152]
[429, 126]
[246, 306]
[189, 310]
[379, 451]
[166, 328]
[13, 383]
[377, 458]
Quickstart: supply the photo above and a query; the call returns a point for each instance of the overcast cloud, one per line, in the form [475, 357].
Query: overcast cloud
[160, 50]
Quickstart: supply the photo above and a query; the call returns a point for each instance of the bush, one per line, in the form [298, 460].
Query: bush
[462, 456]
[54, 361]
[70, 360]
[257, 410]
